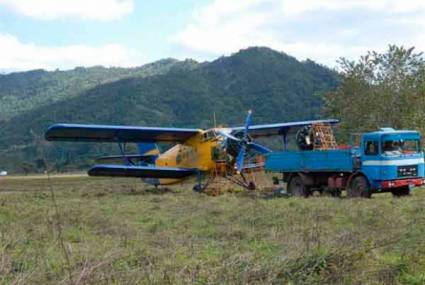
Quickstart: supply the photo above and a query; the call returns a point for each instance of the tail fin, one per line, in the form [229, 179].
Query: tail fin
[148, 149]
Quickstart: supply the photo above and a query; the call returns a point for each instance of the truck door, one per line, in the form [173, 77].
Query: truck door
[371, 159]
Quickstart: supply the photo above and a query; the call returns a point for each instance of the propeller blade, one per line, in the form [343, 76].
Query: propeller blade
[229, 136]
[240, 159]
[259, 148]
[248, 122]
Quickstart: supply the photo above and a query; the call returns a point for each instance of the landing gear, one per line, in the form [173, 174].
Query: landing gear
[297, 188]
[198, 188]
[401, 191]
[359, 188]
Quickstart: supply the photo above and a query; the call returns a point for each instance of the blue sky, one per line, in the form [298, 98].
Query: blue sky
[63, 34]
[145, 29]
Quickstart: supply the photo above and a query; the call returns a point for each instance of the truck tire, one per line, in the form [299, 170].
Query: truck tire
[359, 188]
[401, 191]
[297, 188]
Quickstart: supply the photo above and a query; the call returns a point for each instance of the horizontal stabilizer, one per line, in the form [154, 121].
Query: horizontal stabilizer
[105, 133]
[149, 159]
[140, 171]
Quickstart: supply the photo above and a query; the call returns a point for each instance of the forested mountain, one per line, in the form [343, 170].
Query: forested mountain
[276, 86]
[24, 91]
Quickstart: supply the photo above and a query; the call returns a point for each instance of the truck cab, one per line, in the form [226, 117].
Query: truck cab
[391, 160]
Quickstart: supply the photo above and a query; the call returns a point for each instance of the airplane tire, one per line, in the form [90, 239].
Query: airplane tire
[359, 188]
[297, 188]
[197, 188]
[401, 192]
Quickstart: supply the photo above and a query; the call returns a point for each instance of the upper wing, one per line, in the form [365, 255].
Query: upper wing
[279, 129]
[140, 171]
[105, 133]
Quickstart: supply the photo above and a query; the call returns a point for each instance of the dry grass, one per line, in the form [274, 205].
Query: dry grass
[117, 231]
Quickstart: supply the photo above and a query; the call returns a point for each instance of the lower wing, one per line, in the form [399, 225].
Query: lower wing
[140, 171]
[133, 158]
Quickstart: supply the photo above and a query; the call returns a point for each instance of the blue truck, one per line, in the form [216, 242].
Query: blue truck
[386, 160]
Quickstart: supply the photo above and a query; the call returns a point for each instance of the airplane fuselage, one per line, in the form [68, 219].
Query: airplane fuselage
[196, 152]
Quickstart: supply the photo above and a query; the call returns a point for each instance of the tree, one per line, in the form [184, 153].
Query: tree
[380, 90]
[26, 167]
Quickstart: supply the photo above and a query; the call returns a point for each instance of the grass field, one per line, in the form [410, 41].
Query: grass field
[120, 232]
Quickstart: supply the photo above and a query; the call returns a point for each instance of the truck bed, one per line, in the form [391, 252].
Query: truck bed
[310, 161]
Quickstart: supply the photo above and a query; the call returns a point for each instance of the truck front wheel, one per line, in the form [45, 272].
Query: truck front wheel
[297, 188]
[401, 191]
[359, 188]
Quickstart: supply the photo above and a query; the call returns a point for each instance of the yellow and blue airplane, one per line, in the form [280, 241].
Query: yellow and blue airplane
[195, 151]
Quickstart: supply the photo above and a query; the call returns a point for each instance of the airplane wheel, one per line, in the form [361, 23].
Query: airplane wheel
[297, 188]
[197, 188]
[401, 192]
[359, 188]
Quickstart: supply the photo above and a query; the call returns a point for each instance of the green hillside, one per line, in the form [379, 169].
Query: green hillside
[24, 91]
[276, 86]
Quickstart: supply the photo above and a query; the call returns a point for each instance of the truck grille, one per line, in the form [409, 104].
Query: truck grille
[407, 171]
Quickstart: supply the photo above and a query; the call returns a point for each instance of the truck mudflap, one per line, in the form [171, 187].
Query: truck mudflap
[402, 182]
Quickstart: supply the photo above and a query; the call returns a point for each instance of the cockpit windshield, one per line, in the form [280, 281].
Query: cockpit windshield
[209, 135]
[394, 147]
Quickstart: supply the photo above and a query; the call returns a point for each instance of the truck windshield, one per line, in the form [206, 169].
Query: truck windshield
[398, 147]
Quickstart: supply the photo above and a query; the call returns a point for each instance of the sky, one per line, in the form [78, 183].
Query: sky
[63, 34]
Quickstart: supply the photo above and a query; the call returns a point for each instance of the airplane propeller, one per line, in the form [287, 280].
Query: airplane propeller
[245, 143]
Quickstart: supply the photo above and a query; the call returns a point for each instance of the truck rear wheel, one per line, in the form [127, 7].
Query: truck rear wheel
[297, 188]
[401, 191]
[359, 188]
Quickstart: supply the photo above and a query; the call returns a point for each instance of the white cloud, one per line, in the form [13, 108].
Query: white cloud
[322, 30]
[392, 6]
[17, 56]
[102, 10]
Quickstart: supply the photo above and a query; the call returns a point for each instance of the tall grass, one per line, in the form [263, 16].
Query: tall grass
[119, 232]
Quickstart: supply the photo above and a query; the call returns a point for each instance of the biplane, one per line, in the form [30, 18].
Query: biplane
[195, 152]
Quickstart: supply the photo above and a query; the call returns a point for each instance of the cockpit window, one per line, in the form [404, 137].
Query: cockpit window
[398, 147]
[208, 135]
